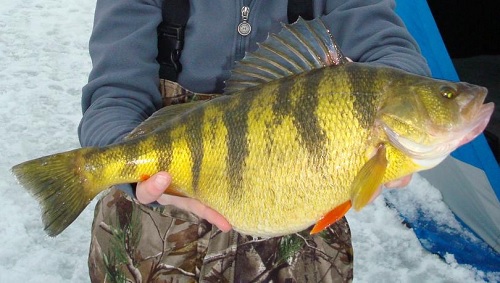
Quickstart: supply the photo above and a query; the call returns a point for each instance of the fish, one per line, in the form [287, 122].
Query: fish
[299, 137]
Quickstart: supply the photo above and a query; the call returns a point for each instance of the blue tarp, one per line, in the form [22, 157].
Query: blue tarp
[420, 22]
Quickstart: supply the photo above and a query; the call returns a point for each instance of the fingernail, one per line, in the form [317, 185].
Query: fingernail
[393, 184]
[161, 181]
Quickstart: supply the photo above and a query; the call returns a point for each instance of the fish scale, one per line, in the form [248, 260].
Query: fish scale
[265, 137]
[282, 154]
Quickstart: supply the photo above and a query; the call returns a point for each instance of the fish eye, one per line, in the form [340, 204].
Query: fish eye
[448, 92]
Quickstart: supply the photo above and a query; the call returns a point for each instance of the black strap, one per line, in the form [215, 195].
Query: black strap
[171, 37]
[302, 8]
[171, 32]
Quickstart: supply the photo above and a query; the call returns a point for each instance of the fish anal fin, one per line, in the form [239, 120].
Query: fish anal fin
[144, 177]
[174, 191]
[369, 179]
[331, 217]
[171, 190]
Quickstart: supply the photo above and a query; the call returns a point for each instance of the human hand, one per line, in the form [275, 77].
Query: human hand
[399, 183]
[396, 184]
[153, 190]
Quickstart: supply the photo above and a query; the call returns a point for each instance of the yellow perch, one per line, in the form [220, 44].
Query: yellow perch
[299, 138]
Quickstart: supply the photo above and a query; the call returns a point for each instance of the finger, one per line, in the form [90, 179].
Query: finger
[197, 208]
[376, 194]
[150, 190]
[215, 218]
[399, 183]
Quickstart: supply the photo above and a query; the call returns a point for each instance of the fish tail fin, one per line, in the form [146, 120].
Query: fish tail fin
[59, 185]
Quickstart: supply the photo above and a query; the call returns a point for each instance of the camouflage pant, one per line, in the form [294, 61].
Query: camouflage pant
[135, 243]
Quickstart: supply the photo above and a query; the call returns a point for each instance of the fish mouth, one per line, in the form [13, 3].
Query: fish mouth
[478, 123]
[475, 113]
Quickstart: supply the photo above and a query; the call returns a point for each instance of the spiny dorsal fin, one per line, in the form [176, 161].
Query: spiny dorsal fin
[297, 48]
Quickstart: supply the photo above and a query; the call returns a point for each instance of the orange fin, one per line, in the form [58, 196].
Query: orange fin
[369, 179]
[331, 217]
[144, 177]
[174, 191]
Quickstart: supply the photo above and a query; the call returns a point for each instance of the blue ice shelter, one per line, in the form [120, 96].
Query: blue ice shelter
[469, 180]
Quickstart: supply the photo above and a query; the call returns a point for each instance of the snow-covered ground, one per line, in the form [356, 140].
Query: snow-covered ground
[44, 63]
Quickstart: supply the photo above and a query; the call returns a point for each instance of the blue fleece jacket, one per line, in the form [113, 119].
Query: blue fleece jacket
[123, 85]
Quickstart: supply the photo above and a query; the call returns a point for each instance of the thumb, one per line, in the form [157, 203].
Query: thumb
[150, 190]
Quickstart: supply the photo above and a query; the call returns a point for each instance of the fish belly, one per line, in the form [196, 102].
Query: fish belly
[274, 161]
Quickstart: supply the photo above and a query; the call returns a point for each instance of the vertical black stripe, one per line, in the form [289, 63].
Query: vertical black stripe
[195, 142]
[283, 105]
[235, 120]
[128, 153]
[162, 142]
[363, 83]
[305, 120]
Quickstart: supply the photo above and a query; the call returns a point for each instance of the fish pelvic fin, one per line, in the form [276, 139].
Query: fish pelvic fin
[61, 189]
[331, 217]
[369, 179]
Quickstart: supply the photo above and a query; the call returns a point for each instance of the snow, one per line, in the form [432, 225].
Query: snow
[44, 63]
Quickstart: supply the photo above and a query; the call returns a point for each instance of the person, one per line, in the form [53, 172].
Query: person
[180, 239]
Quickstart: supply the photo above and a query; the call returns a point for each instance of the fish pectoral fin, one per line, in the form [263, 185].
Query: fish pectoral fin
[369, 179]
[331, 217]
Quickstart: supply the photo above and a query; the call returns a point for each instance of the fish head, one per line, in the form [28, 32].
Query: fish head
[427, 118]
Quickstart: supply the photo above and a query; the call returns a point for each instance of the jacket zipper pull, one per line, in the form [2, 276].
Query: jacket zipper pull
[244, 28]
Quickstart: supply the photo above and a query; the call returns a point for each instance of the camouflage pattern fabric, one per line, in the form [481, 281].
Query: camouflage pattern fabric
[132, 242]
[173, 93]
[137, 243]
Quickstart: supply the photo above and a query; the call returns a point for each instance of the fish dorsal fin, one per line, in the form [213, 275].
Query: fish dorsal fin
[161, 117]
[297, 48]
